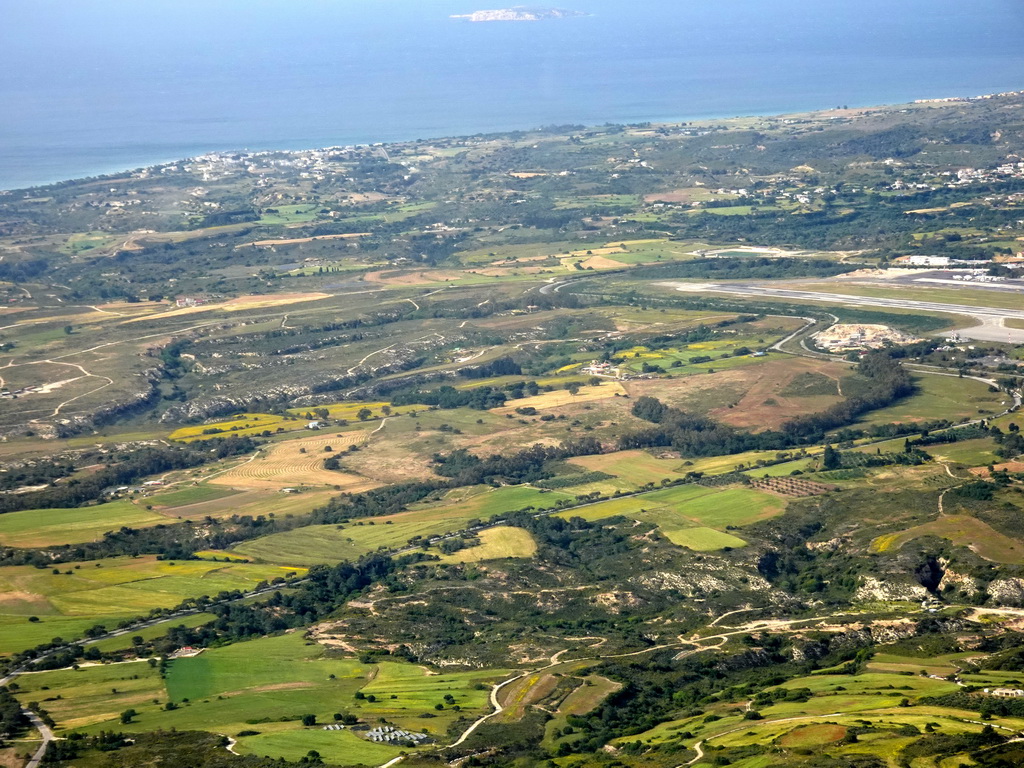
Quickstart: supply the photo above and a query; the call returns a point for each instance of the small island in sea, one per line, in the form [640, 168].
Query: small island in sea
[518, 13]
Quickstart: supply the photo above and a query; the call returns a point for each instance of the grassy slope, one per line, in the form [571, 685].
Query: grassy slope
[331, 543]
[941, 397]
[496, 543]
[46, 527]
[106, 591]
[226, 691]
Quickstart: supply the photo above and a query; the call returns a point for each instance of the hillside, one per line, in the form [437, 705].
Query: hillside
[648, 445]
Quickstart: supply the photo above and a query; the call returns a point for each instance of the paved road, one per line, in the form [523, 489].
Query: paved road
[990, 326]
[47, 734]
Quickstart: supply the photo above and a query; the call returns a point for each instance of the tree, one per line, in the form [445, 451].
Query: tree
[69, 329]
[308, 720]
[127, 716]
[364, 414]
[831, 458]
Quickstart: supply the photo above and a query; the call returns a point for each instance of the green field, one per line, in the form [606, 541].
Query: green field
[332, 543]
[945, 397]
[48, 527]
[106, 591]
[722, 352]
[123, 642]
[692, 516]
[289, 214]
[973, 453]
[702, 539]
[592, 690]
[223, 691]
[837, 702]
[190, 495]
[338, 747]
[783, 469]
[962, 530]
[635, 468]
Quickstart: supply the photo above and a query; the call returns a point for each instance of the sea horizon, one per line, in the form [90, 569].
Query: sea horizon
[148, 85]
[116, 170]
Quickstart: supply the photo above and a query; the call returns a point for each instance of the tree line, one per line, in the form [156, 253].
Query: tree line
[886, 381]
[124, 469]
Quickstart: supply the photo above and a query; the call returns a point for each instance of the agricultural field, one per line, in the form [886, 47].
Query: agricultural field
[76, 525]
[244, 424]
[297, 463]
[631, 469]
[189, 496]
[691, 516]
[972, 453]
[332, 543]
[701, 539]
[561, 397]
[785, 468]
[496, 544]
[955, 399]
[712, 622]
[250, 502]
[38, 604]
[869, 701]
[222, 691]
[634, 468]
[46, 527]
[349, 411]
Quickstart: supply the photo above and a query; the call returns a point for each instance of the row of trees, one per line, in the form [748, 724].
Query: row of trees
[125, 469]
[525, 466]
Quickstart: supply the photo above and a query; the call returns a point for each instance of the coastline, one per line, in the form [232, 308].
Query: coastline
[107, 170]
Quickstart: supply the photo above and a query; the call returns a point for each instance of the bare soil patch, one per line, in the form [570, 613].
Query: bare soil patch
[674, 196]
[398, 277]
[601, 262]
[292, 241]
[747, 397]
[813, 735]
[1009, 466]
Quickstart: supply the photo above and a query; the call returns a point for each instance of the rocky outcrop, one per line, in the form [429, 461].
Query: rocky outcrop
[963, 583]
[892, 588]
[1007, 592]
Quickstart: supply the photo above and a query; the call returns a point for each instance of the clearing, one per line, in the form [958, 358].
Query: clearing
[495, 544]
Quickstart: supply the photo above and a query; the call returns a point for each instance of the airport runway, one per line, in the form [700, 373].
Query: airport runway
[990, 319]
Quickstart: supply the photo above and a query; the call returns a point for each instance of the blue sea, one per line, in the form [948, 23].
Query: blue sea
[97, 86]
